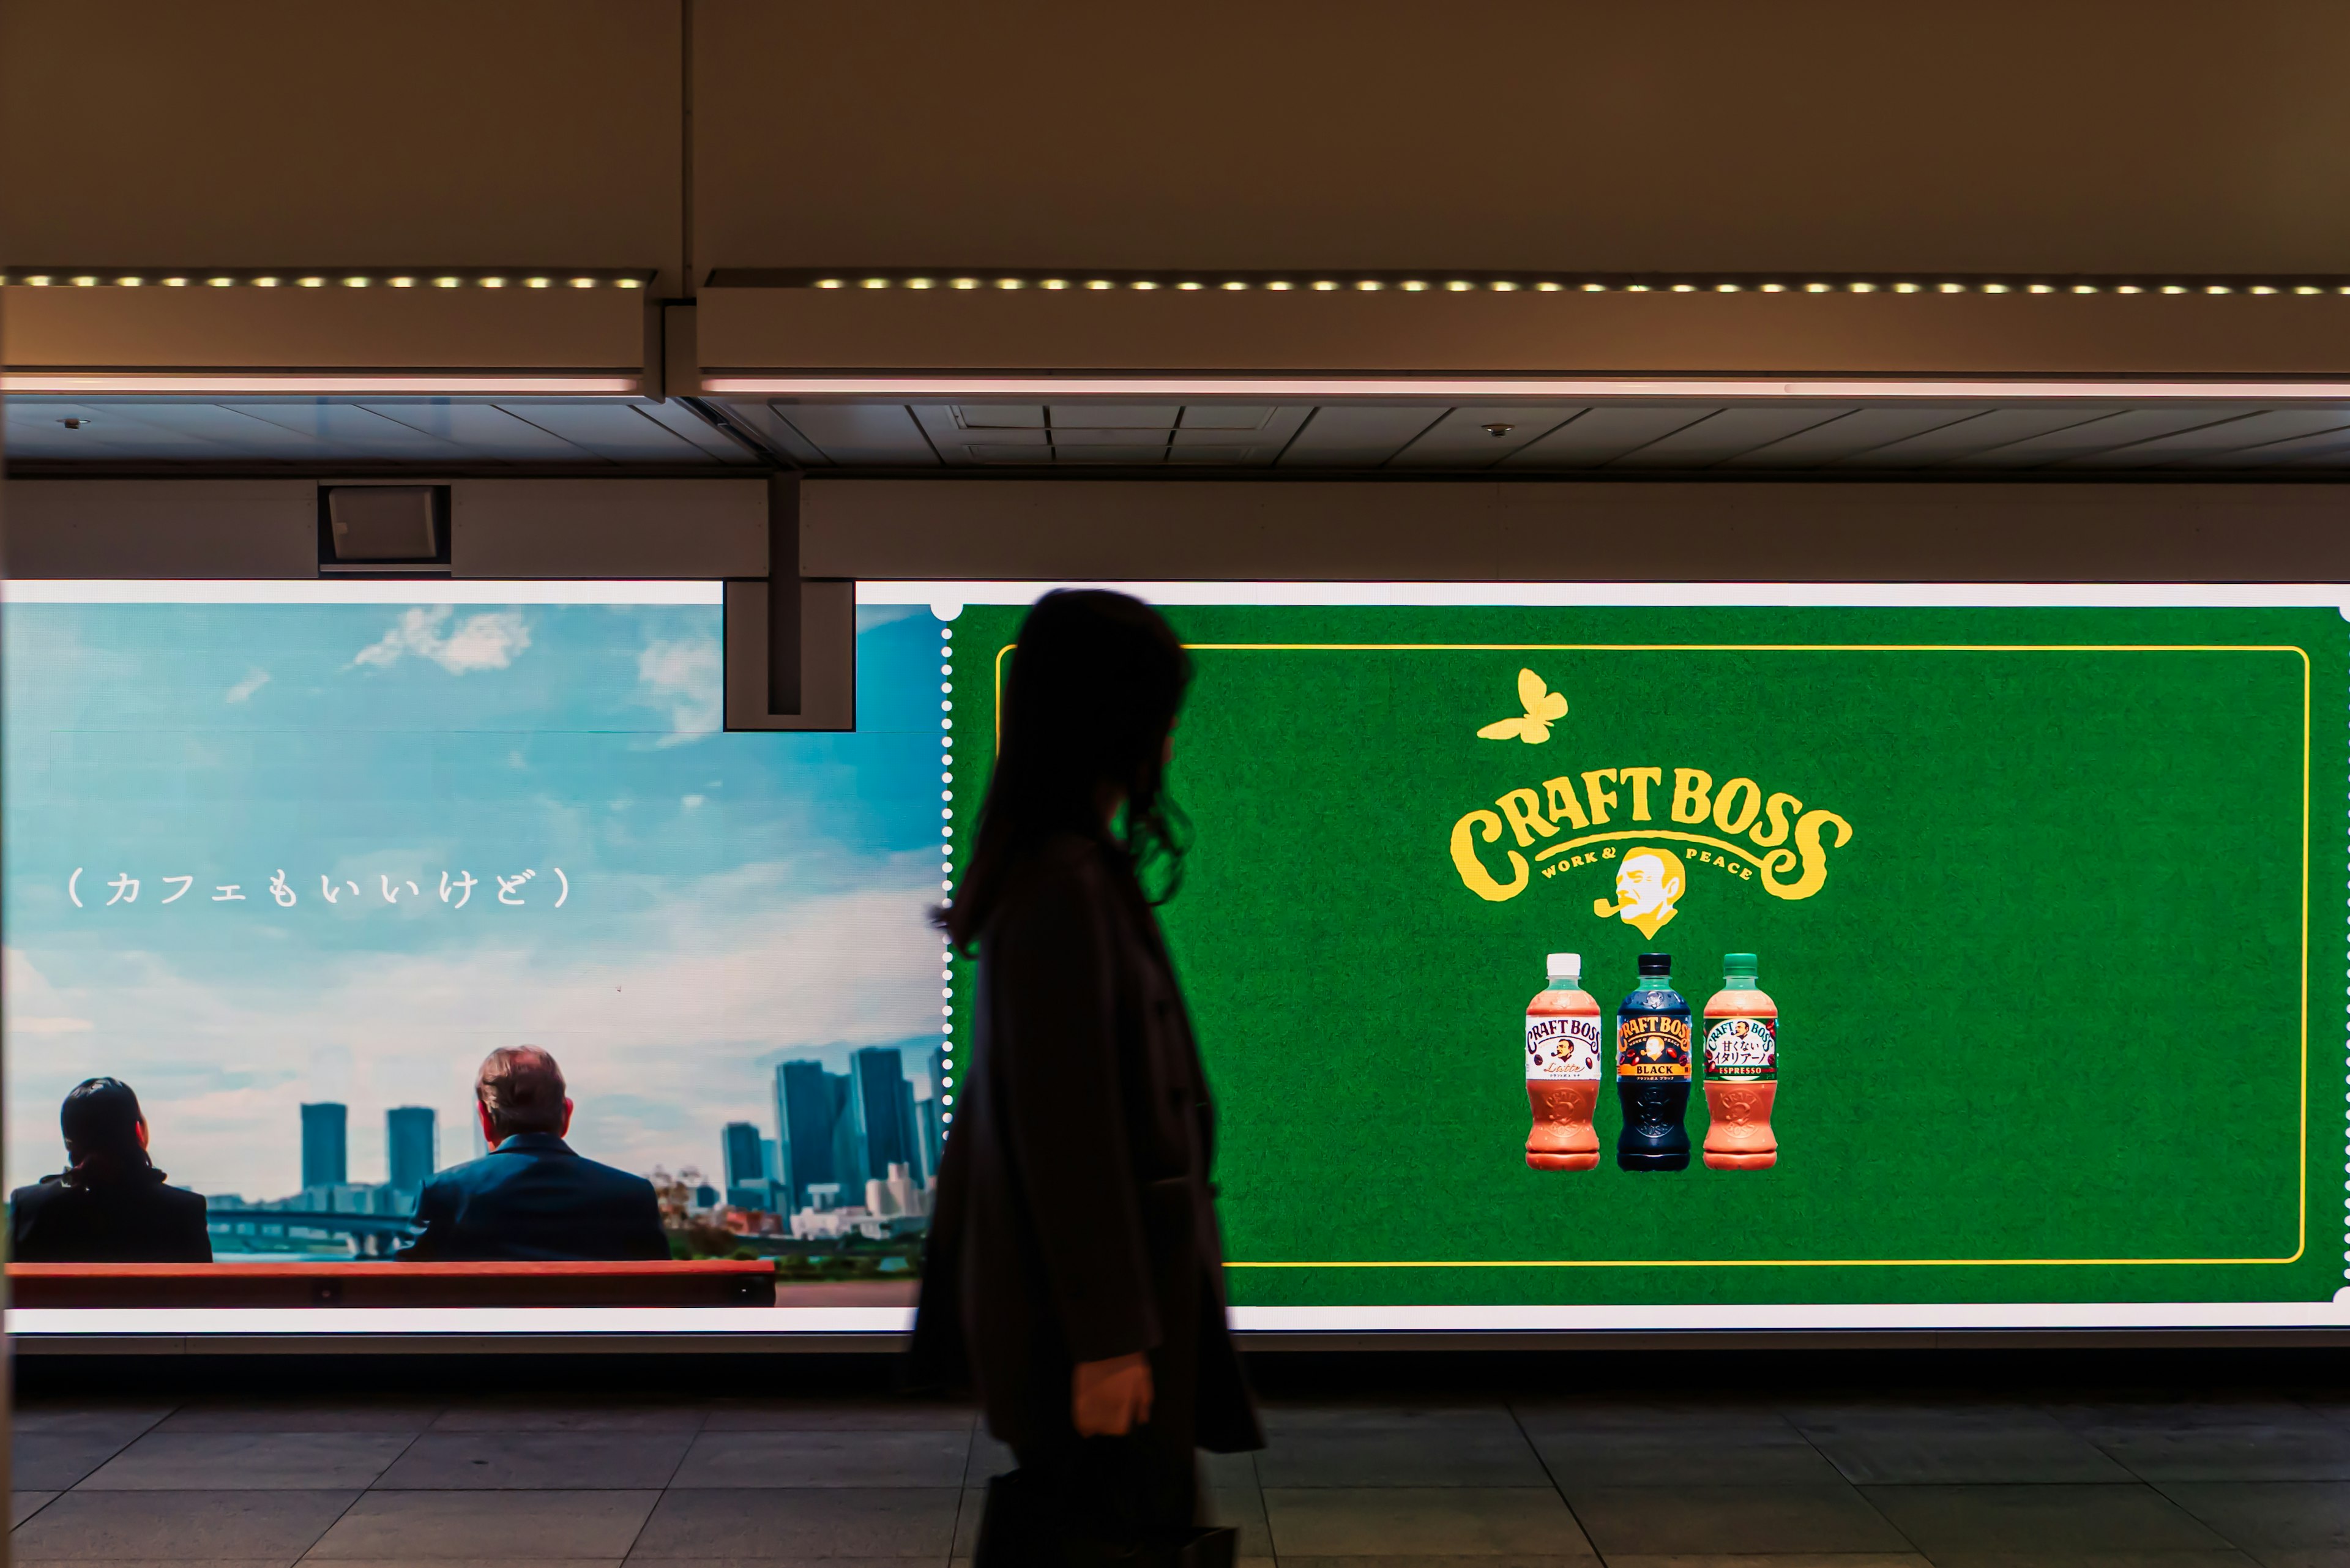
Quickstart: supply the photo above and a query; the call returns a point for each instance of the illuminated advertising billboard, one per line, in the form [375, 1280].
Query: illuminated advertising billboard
[2030, 904]
[1941, 957]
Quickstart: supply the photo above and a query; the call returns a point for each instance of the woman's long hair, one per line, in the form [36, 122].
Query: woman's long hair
[100, 1120]
[1095, 680]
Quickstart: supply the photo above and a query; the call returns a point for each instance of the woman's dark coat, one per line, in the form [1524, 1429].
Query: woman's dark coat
[131, 1217]
[1074, 1221]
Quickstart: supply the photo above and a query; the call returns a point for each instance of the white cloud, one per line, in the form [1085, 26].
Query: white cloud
[49, 1026]
[692, 802]
[686, 677]
[34, 1006]
[665, 1037]
[243, 690]
[486, 641]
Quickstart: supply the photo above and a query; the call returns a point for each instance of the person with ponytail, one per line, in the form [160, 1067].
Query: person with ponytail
[109, 1204]
[1074, 1270]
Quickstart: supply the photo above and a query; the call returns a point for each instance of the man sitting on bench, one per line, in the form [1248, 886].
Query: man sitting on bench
[530, 1198]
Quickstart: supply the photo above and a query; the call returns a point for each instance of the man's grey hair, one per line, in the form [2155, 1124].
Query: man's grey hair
[521, 1088]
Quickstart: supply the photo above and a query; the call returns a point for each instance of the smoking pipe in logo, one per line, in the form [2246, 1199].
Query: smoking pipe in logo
[1603, 909]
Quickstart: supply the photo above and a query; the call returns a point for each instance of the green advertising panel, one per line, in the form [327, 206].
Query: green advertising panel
[2044, 897]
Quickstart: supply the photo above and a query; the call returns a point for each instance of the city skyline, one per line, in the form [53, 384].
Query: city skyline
[411, 1140]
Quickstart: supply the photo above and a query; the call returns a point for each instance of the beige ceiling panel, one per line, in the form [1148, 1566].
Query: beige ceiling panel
[1114, 417]
[269, 134]
[1357, 436]
[1116, 437]
[1479, 437]
[1267, 437]
[1602, 435]
[2317, 445]
[1842, 135]
[1226, 417]
[1854, 432]
[1132, 456]
[884, 434]
[1726, 436]
[2235, 435]
[1997, 427]
[2121, 429]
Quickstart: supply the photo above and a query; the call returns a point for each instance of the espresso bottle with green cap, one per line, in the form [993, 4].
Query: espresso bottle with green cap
[1742, 1070]
[1652, 1071]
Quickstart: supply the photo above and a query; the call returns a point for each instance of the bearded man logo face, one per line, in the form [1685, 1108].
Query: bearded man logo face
[1648, 885]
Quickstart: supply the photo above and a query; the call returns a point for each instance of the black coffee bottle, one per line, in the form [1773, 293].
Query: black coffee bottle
[1652, 1071]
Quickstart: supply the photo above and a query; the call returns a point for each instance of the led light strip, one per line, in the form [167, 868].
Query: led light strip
[1334, 389]
[324, 384]
[942, 1089]
[1579, 283]
[82, 277]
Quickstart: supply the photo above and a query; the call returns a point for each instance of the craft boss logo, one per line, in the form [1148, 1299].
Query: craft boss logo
[1583, 819]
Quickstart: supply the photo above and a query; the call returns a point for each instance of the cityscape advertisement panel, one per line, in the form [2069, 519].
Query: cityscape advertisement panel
[290, 859]
[2034, 887]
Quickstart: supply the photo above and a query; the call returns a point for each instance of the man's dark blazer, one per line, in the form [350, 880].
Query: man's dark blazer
[135, 1219]
[1074, 1221]
[532, 1199]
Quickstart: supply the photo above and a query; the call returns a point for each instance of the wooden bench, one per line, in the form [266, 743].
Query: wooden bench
[702, 1282]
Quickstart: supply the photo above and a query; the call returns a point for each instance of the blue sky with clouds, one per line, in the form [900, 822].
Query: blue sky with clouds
[734, 900]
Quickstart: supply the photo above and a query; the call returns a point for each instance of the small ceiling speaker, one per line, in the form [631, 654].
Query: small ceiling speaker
[384, 528]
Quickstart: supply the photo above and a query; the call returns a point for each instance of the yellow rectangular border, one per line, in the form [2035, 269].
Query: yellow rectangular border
[2301, 1229]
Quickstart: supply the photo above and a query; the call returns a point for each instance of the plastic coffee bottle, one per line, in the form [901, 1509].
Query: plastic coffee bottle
[1652, 1071]
[1563, 1069]
[1742, 1070]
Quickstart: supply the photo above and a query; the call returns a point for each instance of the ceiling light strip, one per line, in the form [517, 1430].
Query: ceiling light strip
[296, 277]
[1418, 388]
[36, 383]
[1442, 283]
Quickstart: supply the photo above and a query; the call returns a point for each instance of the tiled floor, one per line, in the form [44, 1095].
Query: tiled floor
[1359, 1481]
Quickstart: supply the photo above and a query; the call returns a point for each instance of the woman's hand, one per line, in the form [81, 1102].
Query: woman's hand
[1111, 1398]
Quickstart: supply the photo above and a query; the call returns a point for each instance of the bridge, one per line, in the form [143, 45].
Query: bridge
[371, 1235]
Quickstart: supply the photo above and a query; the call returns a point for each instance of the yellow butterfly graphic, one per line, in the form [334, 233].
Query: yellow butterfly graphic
[1544, 708]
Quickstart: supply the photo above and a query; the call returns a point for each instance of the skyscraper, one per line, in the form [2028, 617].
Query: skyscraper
[412, 1141]
[848, 1146]
[745, 1167]
[808, 1113]
[326, 1146]
[912, 1121]
[934, 1146]
[881, 1103]
[932, 1124]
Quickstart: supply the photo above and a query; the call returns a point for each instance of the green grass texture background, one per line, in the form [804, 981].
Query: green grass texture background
[2043, 1031]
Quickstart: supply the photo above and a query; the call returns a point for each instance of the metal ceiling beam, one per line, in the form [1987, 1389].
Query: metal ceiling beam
[812, 343]
[329, 341]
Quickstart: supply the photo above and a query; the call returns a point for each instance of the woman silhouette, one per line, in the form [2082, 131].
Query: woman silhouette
[1074, 1255]
[109, 1204]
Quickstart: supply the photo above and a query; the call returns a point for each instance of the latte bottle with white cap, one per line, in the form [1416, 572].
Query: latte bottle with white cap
[1563, 1069]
